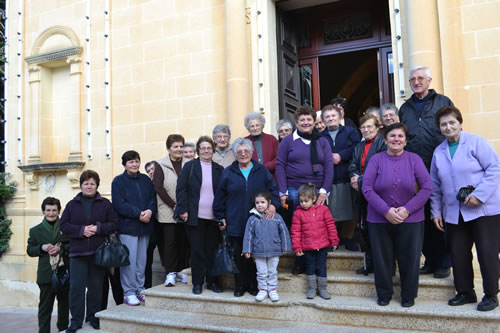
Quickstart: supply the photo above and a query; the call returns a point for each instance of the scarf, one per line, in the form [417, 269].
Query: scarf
[314, 136]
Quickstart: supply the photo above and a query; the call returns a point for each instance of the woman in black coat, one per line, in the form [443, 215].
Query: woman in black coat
[195, 192]
[373, 143]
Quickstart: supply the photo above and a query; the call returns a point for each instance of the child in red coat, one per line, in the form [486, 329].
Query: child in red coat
[313, 231]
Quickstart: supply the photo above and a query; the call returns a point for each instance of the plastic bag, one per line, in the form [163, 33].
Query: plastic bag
[224, 262]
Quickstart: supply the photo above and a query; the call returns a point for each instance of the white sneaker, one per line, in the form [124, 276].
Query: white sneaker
[131, 300]
[170, 280]
[261, 295]
[273, 295]
[181, 277]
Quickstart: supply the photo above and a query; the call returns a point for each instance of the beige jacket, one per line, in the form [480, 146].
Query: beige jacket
[165, 213]
[225, 161]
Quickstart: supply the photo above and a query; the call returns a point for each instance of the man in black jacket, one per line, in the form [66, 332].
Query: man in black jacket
[418, 114]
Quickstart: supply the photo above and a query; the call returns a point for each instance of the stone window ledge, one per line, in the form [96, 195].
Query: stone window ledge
[32, 171]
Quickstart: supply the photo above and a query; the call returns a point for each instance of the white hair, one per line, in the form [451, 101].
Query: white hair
[242, 142]
[253, 116]
[417, 68]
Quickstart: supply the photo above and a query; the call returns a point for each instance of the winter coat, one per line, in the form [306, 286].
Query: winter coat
[73, 221]
[377, 146]
[132, 194]
[269, 151]
[424, 136]
[45, 233]
[346, 140]
[165, 212]
[234, 196]
[266, 237]
[313, 229]
[188, 189]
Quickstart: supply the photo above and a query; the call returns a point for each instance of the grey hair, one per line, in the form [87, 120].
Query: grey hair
[190, 144]
[372, 110]
[253, 116]
[282, 123]
[388, 106]
[221, 128]
[417, 68]
[241, 142]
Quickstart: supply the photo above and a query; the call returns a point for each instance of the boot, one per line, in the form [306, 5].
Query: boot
[322, 283]
[311, 286]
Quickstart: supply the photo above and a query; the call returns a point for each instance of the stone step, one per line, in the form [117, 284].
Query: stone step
[340, 260]
[361, 311]
[126, 319]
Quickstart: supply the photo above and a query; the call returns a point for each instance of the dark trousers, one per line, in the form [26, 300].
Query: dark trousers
[148, 274]
[111, 276]
[316, 262]
[84, 273]
[485, 233]
[203, 241]
[247, 278]
[403, 241]
[435, 247]
[47, 297]
[173, 247]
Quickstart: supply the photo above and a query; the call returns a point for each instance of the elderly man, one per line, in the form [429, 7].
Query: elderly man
[341, 103]
[389, 114]
[418, 114]
[223, 154]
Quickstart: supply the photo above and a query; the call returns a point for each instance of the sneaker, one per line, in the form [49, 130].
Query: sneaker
[273, 295]
[141, 298]
[181, 277]
[170, 280]
[131, 300]
[261, 295]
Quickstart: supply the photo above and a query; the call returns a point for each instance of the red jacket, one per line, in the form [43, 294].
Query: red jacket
[313, 229]
[269, 151]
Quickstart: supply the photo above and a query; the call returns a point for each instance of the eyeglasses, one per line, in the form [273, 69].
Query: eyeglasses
[366, 127]
[222, 137]
[419, 79]
[242, 152]
[286, 130]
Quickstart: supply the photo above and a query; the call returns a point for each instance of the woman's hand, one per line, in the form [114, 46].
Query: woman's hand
[299, 254]
[223, 226]
[354, 182]
[270, 211]
[393, 217]
[145, 216]
[184, 216]
[89, 230]
[336, 158]
[283, 199]
[438, 222]
[47, 247]
[322, 199]
[334, 248]
[472, 201]
[403, 212]
[247, 255]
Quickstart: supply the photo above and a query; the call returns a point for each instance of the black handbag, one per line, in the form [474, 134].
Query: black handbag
[60, 278]
[224, 262]
[464, 192]
[112, 253]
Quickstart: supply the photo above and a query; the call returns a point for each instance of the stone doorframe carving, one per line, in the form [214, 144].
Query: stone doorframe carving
[60, 44]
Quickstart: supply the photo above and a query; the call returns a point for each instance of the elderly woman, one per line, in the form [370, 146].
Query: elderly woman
[195, 192]
[134, 199]
[396, 214]
[304, 157]
[319, 124]
[233, 202]
[172, 241]
[342, 140]
[389, 114]
[265, 146]
[223, 154]
[465, 159]
[87, 219]
[363, 152]
[284, 128]
[189, 151]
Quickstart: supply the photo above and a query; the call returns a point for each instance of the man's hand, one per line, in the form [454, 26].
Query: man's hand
[270, 211]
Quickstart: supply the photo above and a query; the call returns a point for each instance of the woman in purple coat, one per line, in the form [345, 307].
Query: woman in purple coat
[461, 160]
[396, 186]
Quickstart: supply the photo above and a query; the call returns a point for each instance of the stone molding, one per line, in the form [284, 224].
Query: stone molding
[51, 31]
[32, 172]
[54, 55]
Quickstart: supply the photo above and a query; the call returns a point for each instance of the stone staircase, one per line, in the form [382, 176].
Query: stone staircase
[352, 308]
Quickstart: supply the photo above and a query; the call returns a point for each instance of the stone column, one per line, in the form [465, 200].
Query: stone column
[75, 152]
[34, 124]
[237, 66]
[422, 38]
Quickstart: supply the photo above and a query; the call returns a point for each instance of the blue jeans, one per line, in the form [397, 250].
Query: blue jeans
[316, 262]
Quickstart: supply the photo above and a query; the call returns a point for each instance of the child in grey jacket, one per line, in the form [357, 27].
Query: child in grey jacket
[265, 239]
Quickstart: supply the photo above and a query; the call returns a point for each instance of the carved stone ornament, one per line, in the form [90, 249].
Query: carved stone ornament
[32, 180]
[32, 172]
[248, 15]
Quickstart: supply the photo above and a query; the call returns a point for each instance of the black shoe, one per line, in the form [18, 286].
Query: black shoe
[463, 298]
[298, 270]
[351, 245]
[73, 329]
[488, 303]
[252, 291]
[238, 292]
[407, 302]
[442, 273]
[364, 271]
[426, 269]
[213, 286]
[197, 289]
[94, 322]
[383, 301]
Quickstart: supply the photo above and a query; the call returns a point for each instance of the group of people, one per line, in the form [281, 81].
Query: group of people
[398, 181]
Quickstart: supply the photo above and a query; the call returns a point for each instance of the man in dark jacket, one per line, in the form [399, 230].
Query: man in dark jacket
[48, 244]
[418, 114]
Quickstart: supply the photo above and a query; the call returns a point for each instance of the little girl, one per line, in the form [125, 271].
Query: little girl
[265, 239]
[313, 231]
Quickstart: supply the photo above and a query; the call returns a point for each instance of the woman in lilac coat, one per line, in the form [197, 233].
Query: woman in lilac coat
[461, 160]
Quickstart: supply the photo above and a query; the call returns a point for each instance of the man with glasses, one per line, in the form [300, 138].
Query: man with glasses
[389, 114]
[418, 114]
[223, 154]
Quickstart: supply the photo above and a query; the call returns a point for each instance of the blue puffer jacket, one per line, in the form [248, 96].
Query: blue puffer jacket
[132, 194]
[266, 238]
[234, 196]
